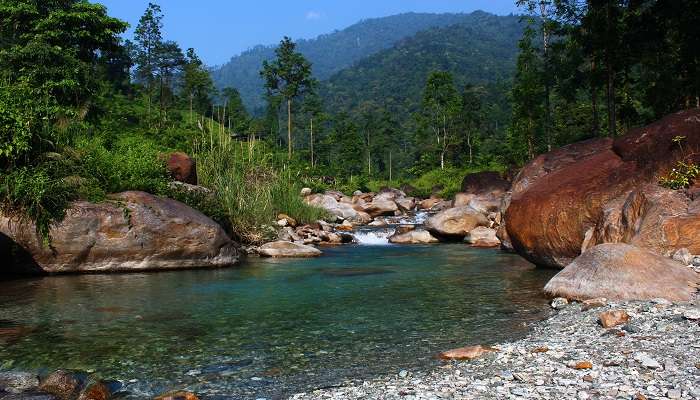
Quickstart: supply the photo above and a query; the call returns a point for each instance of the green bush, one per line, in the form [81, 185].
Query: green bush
[250, 190]
[36, 193]
[132, 163]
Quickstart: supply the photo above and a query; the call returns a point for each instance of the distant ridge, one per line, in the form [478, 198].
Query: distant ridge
[330, 53]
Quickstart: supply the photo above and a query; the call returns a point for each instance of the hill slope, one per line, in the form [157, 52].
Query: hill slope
[482, 52]
[335, 51]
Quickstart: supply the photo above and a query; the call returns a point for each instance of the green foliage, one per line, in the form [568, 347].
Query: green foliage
[339, 50]
[39, 194]
[251, 191]
[16, 121]
[681, 176]
[130, 163]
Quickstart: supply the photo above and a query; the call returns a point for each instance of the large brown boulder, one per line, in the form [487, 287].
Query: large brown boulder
[486, 182]
[132, 231]
[605, 190]
[623, 272]
[182, 168]
[455, 222]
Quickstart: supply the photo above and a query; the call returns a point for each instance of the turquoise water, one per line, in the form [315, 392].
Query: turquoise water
[271, 327]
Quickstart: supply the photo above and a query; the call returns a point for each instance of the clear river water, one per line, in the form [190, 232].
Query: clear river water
[270, 328]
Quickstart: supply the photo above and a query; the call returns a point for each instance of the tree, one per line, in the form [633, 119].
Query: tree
[313, 108]
[197, 85]
[51, 62]
[288, 76]
[441, 106]
[471, 116]
[169, 61]
[528, 99]
[149, 40]
[238, 118]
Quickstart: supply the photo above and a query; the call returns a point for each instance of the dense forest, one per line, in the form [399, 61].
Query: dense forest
[85, 113]
[332, 52]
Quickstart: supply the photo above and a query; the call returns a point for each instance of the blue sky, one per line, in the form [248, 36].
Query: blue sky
[219, 29]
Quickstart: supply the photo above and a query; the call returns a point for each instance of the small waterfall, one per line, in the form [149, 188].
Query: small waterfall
[379, 237]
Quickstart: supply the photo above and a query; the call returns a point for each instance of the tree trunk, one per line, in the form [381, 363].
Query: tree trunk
[594, 100]
[390, 166]
[312, 142]
[469, 144]
[612, 123]
[547, 111]
[289, 129]
[191, 97]
[369, 154]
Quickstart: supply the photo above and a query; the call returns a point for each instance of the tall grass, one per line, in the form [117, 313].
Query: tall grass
[250, 187]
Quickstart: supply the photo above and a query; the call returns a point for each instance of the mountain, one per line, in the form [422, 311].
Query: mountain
[333, 52]
[482, 51]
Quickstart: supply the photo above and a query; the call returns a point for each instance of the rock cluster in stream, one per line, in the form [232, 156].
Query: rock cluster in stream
[653, 353]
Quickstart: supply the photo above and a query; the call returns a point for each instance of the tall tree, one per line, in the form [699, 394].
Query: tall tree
[197, 85]
[238, 117]
[169, 61]
[471, 116]
[528, 100]
[440, 110]
[288, 76]
[149, 40]
[313, 108]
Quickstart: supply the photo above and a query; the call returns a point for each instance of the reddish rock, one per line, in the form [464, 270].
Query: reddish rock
[428, 204]
[542, 349]
[96, 391]
[129, 232]
[485, 182]
[467, 353]
[177, 395]
[623, 272]
[62, 384]
[601, 190]
[609, 319]
[583, 365]
[182, 168]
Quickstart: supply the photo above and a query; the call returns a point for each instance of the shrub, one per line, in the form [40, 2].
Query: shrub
[250, 191]
[37, 194]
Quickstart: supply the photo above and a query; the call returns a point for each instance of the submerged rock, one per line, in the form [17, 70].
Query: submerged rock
[623, 272]
[63, 384]
[132, 231]
[17, 382]
[177, 395]
[282, 249]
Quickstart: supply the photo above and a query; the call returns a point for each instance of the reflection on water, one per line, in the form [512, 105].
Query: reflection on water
[271, 327]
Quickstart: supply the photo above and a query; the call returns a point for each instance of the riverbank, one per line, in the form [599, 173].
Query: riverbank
[656, 354]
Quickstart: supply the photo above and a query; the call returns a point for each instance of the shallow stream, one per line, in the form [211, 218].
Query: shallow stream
[271, 327]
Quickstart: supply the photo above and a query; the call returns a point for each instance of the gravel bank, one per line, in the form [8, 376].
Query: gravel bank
[655, 355]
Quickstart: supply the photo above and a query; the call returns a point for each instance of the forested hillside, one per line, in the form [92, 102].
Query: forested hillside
[333, 52]
[480, 52]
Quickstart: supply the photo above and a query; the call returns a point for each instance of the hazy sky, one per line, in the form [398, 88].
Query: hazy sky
[219, 29]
